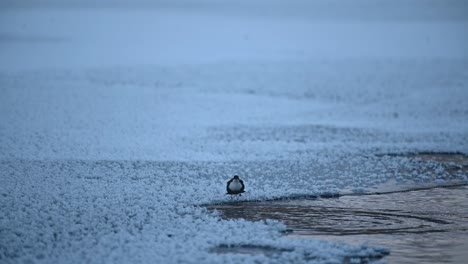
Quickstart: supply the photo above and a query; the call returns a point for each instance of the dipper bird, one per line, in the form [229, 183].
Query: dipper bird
[235, 186]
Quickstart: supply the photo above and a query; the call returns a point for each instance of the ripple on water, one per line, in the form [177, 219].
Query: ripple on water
[399, 221]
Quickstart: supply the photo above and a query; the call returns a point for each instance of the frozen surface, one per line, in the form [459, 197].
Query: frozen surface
[117, 120]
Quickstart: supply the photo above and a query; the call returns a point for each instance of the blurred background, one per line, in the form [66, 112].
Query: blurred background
[172, 72]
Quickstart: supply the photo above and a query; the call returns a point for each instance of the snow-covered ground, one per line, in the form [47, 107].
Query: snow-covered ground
[117, 119]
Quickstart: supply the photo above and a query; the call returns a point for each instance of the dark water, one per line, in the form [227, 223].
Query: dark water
[422, 226]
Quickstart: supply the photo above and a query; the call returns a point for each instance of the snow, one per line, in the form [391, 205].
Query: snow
[117, 122]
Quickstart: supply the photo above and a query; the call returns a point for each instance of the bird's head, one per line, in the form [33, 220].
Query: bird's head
[236, 177]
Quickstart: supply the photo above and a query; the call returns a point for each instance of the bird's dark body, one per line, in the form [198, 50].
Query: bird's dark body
[229, 191]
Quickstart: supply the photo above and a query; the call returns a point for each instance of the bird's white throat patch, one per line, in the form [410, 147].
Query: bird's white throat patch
[235, 185]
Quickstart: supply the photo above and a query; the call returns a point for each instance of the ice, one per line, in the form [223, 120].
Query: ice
[94, 211]
[119, 121]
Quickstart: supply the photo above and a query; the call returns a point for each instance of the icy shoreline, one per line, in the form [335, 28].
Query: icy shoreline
[122, 202]
[96, 212]
[142, 211]
[117, 120]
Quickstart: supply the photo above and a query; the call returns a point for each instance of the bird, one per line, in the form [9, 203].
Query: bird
[235, 186]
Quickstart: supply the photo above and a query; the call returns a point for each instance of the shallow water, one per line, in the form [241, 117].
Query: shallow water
[421, 226]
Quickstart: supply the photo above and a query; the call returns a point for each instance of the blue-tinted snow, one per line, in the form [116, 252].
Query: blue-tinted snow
[118, 120]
